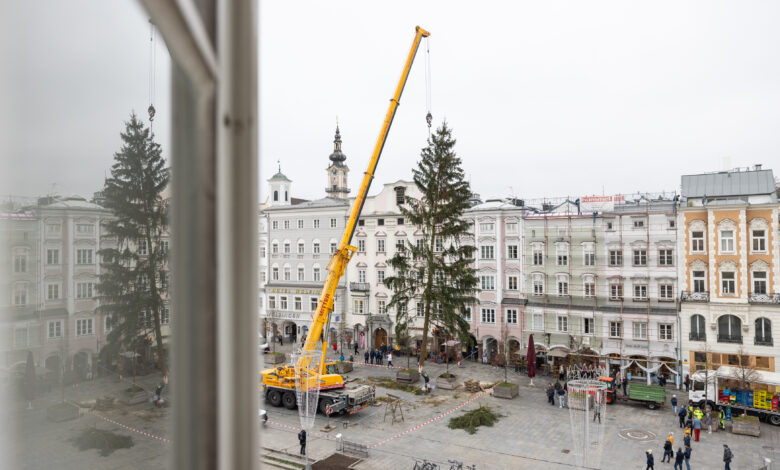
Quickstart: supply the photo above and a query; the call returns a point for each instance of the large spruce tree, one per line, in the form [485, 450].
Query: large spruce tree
[436, 271]
[131, 288]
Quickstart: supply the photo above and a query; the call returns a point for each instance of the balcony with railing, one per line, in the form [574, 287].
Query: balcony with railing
[763, 341]
[359, 286]
[764, 298]
[727, 338]
[688, 296]
[697, 336]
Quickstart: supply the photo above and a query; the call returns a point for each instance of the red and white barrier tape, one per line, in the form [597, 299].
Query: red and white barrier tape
[137, 431]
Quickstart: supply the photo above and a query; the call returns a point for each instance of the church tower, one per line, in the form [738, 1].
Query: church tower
[279, 189]
[337, 171]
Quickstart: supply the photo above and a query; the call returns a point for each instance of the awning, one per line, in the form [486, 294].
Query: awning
[558, 353]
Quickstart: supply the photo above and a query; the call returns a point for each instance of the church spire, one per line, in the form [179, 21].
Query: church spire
[338, 171]
[337, 157]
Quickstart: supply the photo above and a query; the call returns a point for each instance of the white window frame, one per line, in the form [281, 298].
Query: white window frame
[333, 222]
[639, 330]
[362, 276]
[562, 324]
[511, 316]
[640, 292]
[537, 254]
[698, 244]
[639, 257]
[313, 301]
[380, 276]
[562, 284]
[21, 261]
[85, 290]
[272, 302]
[615, 329]
[666, 257]
[761, 241]
[301, 274]
[84, 256]
[85, 327]
[512, 283]
[315, 248]
[488, 316]
[361, 248]
[381, 307]
[666, 291]
[487, 282]
[728, 286]
[301, 248]
[726, 244]
[588, 326]
[537, 281]
[487, 227]
[537, 320]
[315, 274]
[616, 291]
[287, 273]
[52, 256]
[54, 329]
[300, 223]
[762, 279]
[359, 306]
[53, 288]
[298, 303]
[466, 314]
[315, 223]
[282, 302]
[287, 225]
[380, 245]
[487, 252]
[512, 252]
[665, 332]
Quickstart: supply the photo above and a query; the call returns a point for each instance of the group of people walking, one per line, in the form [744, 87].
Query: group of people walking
[377, 356]
[558, 392]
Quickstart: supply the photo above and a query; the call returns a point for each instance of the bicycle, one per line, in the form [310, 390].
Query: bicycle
[425, 465]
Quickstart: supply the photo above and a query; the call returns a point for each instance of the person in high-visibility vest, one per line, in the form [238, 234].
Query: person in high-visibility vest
[722, 417]
[697, 413]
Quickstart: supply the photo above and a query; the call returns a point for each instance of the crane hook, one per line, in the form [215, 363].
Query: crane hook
[152, 112]
[429, 119]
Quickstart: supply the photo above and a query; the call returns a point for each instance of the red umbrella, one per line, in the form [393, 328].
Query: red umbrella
[531, 358]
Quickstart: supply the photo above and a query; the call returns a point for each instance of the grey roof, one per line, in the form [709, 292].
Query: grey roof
[728, 183]
[279, 176]
[324, 202]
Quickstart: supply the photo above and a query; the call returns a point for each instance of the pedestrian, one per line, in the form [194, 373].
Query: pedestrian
[708, 420]
[341, 356]
[722, 418]
[696, 428]
[687, 455]
[674, 403]
[379, 357]
[662, 381]
[459, 360]
[650, 460]
[158, 394]
[727, 456]
[302, 441]
[365, 357]
[671, 438]
[390, 359]
[678, 459]
[427, 379]
[625, 386]
[596, 410]
[687, 437]
[372, 355]
[668, 452]
[681, 414]
[281, 340]
[561, 397]
[551, 394]
[687, 383]
[356, 348]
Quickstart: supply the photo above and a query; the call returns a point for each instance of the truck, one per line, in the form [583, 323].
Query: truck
[652, 396]
[720, 387]
[279, 383]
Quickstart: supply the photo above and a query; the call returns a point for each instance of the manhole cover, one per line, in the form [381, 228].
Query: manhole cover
[565, 451]
[636, 435]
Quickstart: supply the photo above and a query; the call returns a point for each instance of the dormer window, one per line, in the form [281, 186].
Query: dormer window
[400, 192]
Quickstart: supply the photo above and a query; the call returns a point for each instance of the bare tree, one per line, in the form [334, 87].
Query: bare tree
[744, 373]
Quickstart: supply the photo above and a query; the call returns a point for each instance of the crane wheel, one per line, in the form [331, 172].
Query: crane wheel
[324, 404]
[289, 401]
[275, 398]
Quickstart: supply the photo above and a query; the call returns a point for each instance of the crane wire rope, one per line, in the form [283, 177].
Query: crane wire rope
[429, 116]
[152, 73]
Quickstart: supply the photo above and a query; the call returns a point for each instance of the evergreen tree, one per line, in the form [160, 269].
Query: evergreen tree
[131, 288]
[436, 272]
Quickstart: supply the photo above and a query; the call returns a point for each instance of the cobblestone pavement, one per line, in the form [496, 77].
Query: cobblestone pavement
[530, 435]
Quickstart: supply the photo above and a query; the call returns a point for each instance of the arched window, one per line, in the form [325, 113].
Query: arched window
[285, 195]
[763, 332]
[729, 329]
[697, 329]
[276, 195]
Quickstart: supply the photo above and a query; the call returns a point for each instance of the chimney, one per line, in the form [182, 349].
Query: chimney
[757, 167]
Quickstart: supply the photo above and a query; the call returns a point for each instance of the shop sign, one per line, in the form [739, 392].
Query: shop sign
[284, 315]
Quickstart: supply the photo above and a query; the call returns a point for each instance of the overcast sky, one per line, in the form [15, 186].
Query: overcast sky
[545, 98]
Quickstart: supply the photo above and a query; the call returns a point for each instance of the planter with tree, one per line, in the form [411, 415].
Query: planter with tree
[408, 375]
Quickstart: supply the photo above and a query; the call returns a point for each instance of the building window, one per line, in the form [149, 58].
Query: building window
[697, 242]
[83, 256]
[615, 258]
[271, 302]
[165, 316]
[488, 282]
[85, 229]
[758, 242]
[698, 332]
[727, 241]
[333, 247]
[400, 245]
[287, 273]
[729, 329]
[359, 307]
[727, 283]
[276, 195]
[511, 227]
[275, 224]
[512, 283]
[672, 223]
[20, 261]
[488, 315]
[84, 327]
[275, 273]
[640, 257]
[589, 288]
[52, 256]
[316, 274]
[562, 255]
[332, 223]
[143, 248]
[759, 282]
[298, 302]
[274, 248]
[52, 291]
[315, 223]
[283, 302]
[665, 257]
[419, 310]
[538, 256]
[400, 221]
[380, 245]
[763, 332]
[639, 223]
[511, 252]
[381, 307]
[466, 314]
[262, 276]
[20, 295]
[380, 276]
[400, 192]
[588, 326]
[640, 292]
[54, 329]
[53, 229]
[486, 227]
[301, 275]
[380, 222]
[538, 322]
[438, 245]
[287, 225]
[616, 291]
[610, 225]
[315, 248]
[313, 304]
[286, 248]
[361, 275]
[563, 324]
[588, 256]
[666, 292]
[699, 282]
[300, 223]
[665, 332]
[538, 282]
[511, 316]
[486, 252]
[84, 290]
[262, 252]
[300, 248]
[615, 329]
[562, 282]
[361, 246]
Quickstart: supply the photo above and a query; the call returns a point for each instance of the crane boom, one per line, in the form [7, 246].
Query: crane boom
[338, 263]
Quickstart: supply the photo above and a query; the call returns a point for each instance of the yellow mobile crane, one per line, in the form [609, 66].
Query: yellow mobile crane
[279, 382]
